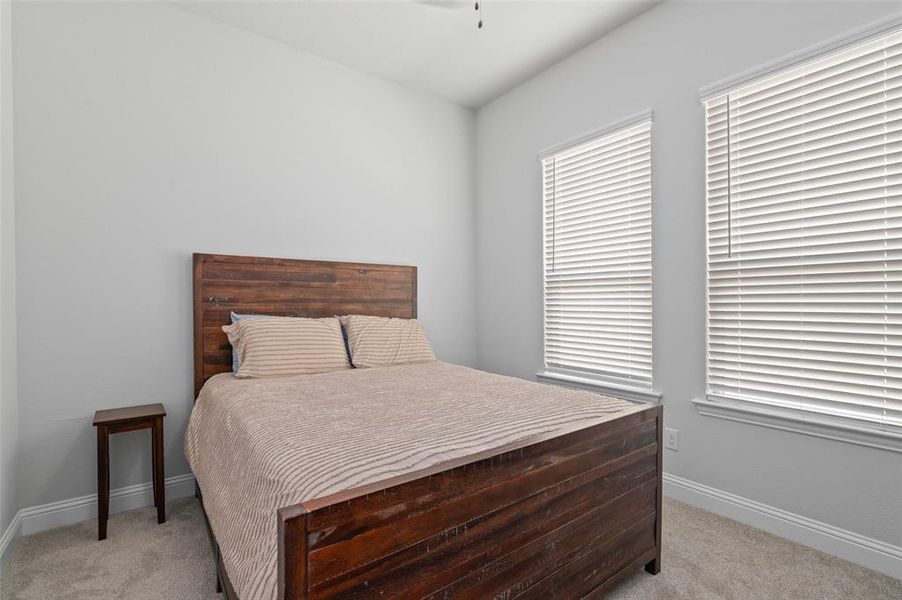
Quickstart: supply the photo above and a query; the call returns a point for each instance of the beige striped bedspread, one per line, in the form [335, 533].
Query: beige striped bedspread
[257, 445]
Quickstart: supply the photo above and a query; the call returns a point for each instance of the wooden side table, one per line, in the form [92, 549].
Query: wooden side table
[117, 420]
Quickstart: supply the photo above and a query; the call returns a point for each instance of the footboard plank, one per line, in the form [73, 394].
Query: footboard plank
[562, 514]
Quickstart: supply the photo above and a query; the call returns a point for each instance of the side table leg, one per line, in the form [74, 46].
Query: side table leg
[159, 485]
[103, 480]
[153, 463]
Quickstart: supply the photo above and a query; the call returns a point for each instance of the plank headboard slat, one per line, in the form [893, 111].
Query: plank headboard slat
[287, 287]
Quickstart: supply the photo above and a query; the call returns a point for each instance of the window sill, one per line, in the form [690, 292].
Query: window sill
[823, 426]
[595, 385]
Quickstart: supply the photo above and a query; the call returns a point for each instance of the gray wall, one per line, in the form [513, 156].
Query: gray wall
[143, 134]
[659, 61]
[9, 419]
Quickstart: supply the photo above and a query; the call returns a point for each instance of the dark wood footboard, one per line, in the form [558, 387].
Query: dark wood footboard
[560, 517]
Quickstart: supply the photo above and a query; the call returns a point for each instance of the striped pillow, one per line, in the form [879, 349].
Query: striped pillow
[278, 346]
[382, 341]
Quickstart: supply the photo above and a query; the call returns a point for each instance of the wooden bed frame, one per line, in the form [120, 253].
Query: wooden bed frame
[563, 516]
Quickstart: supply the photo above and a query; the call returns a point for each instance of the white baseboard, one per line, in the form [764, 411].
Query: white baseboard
[35, 519]
[8, 541]
[847, 545]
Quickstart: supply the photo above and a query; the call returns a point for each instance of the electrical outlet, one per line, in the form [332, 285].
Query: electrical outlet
[672, 439]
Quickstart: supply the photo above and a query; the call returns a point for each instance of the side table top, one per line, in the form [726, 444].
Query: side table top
[116, 415]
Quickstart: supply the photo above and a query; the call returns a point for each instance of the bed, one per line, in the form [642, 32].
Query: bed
[460, 496]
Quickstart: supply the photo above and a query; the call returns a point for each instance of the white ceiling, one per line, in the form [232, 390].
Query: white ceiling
[432, 45]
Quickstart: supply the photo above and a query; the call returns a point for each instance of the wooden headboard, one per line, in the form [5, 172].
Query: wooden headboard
[287, 287]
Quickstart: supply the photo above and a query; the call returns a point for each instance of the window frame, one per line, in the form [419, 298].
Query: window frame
[580, 379]
[884, 436]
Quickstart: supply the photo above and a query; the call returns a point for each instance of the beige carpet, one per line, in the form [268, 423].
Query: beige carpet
[705, 556]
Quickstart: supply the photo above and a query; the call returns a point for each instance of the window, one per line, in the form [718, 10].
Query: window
[597, 264]
[804, 194]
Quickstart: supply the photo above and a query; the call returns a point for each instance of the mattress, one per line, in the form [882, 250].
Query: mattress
[257, 445]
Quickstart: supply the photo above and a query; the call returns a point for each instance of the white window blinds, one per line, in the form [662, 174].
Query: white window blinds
[597, 234]
[804, 188]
